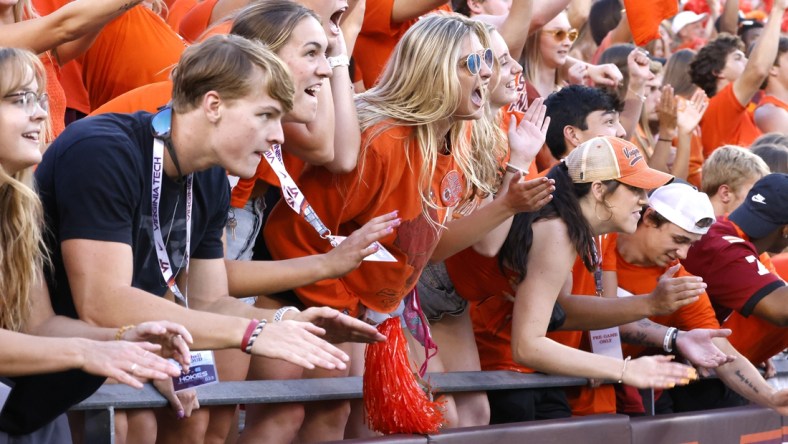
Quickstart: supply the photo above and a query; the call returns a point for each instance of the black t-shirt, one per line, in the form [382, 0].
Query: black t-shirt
[95, 183]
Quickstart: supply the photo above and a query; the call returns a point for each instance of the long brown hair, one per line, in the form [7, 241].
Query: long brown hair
[21, 247]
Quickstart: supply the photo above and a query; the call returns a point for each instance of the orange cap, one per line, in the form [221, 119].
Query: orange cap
[611, 158]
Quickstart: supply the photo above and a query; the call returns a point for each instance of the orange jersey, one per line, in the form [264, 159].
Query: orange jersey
[378, 37]
[133, 50]
[696, 159]
[386, 179]
[196, 20]
[727, 121]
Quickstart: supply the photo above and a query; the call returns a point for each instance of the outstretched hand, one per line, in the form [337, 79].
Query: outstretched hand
[696, 345]
[298, 343]
[173, 338]
[126, 361]
[673, 293]
[657, 372]
[528, 196]
[339, 327]
[347, 256]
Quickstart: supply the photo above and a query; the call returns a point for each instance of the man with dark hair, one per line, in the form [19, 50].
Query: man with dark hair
[578, 113]
[731, 81]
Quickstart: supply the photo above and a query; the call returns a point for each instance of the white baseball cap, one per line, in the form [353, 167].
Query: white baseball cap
[684, 206]
[685, 18]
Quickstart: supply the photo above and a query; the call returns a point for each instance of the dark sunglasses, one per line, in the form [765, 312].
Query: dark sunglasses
[474, 61]
[560, 34]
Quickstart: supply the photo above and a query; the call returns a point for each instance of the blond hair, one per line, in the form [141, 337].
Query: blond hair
[420, 88]
[226, 64]
[733, 166]
[21, 246]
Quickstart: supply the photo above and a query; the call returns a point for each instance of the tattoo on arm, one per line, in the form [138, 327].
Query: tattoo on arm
[636, 338]
[746, 381]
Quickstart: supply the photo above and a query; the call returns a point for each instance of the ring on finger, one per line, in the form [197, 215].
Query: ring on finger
[133, 367]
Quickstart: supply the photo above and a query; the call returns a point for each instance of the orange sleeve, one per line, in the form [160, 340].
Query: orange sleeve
[177, 11]
[197, 20]
[123, 57]
[780, 262]
[726, 121]
[696, 159]
[145, 98]
[645, 17]
[378, 37]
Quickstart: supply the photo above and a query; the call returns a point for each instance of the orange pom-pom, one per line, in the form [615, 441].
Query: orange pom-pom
[393, 399]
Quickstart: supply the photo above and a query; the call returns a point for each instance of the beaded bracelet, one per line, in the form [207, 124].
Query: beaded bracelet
[254, 335]
[122, 330]
[667, 343]
[281, 312]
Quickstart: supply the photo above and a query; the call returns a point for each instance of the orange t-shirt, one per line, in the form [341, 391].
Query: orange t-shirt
[177, 11]
[133, 50]
[727, 121]
[780, 262]
[145, 98]
[384, 181]
[196, 20]
[57, 97]
[643, 280]
[378, 37]
[70, 75]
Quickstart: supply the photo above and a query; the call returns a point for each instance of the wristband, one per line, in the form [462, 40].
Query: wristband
[281, 312]
[624, 369]
[249, 329]
[122, 330]
[514, 169]
[673, 339]
[253, 337]
[667, 343]
[340, 60]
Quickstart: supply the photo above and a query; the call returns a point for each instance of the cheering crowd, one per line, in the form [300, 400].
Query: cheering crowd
[202, 190]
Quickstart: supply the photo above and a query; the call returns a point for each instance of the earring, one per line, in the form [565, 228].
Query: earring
[610, 216]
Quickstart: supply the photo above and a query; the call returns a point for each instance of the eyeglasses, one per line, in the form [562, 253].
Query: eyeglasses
[560, 34]
[27, 100]
[474, 61]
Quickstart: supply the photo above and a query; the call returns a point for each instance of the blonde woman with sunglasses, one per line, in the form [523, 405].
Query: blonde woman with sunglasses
[546, 52]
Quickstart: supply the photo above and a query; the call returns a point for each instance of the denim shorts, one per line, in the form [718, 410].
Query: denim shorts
[437, 294]
[243, 227]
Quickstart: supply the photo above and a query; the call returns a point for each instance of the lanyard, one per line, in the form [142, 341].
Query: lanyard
[293, 196]
[157, 173]
[598, 268]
